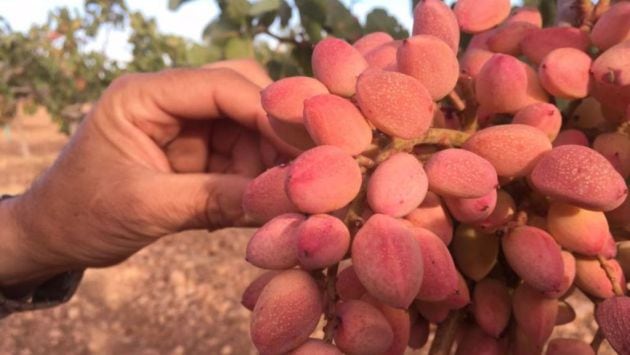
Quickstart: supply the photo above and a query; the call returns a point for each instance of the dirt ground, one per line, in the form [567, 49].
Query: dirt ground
[179, 296]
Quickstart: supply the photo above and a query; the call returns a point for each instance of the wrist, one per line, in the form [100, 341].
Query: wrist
[22, 261]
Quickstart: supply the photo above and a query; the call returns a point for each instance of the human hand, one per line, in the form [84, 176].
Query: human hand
[152, 158]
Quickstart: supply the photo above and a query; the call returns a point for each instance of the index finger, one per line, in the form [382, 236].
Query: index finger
[249, 68]
[157, 102]
[205, 94]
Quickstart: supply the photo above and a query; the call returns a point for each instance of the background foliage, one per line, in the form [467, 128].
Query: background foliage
[50, 66]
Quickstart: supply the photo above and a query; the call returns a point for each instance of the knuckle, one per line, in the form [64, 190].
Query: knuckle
[224, 73]
[123, 82]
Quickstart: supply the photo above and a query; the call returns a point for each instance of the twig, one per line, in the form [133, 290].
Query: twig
[469, 119]
[601, 7]
[518, 220]
[591, 17]
[331, 295]
[445, 334]
[597, 340]
[610, 273]
[457, 101]
[290, 40]
[353, 219]
[365, 162]
[585, 14]
[435, 136]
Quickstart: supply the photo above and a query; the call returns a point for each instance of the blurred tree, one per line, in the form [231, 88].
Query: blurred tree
[281, 34]
[154, 51]
[51, 65]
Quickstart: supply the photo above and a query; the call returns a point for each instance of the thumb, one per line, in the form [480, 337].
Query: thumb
[200, 201]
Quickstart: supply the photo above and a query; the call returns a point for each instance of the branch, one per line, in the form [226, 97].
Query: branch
[591, 14]
[469, 119]
[435, 136]
[584, 14]
[601, 7]
[457, 101]
[353, 219]
[365, 162]
[446, 137]
[289, 40]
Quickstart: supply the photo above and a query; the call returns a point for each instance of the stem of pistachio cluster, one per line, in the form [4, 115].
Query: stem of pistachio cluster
[365, 162]
[601, 7]
[445, 334]
[519, 220]
[624, 128]
[352, 220]
[457, 101]
[446, 137]
[435, 136]
[331, 295]
[610, 273]
[591, 14]
[585, 8]
[469, 119]
[597, 340]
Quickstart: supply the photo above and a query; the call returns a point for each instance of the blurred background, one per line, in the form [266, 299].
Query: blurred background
[62, 54]
[181, 295]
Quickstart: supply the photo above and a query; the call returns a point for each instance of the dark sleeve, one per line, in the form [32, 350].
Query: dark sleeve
[53, 292]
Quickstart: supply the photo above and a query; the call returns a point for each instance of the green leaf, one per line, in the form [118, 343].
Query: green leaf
[235, 10]
[219, 31]
[239, 47]
[313, 16]
[340, 21]
[175, 4]
[313, 30]
[380, 20]
[198, 55]
[330, 15]
[314, 10]
[303, 56]
[267, 18]
[263, 6]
